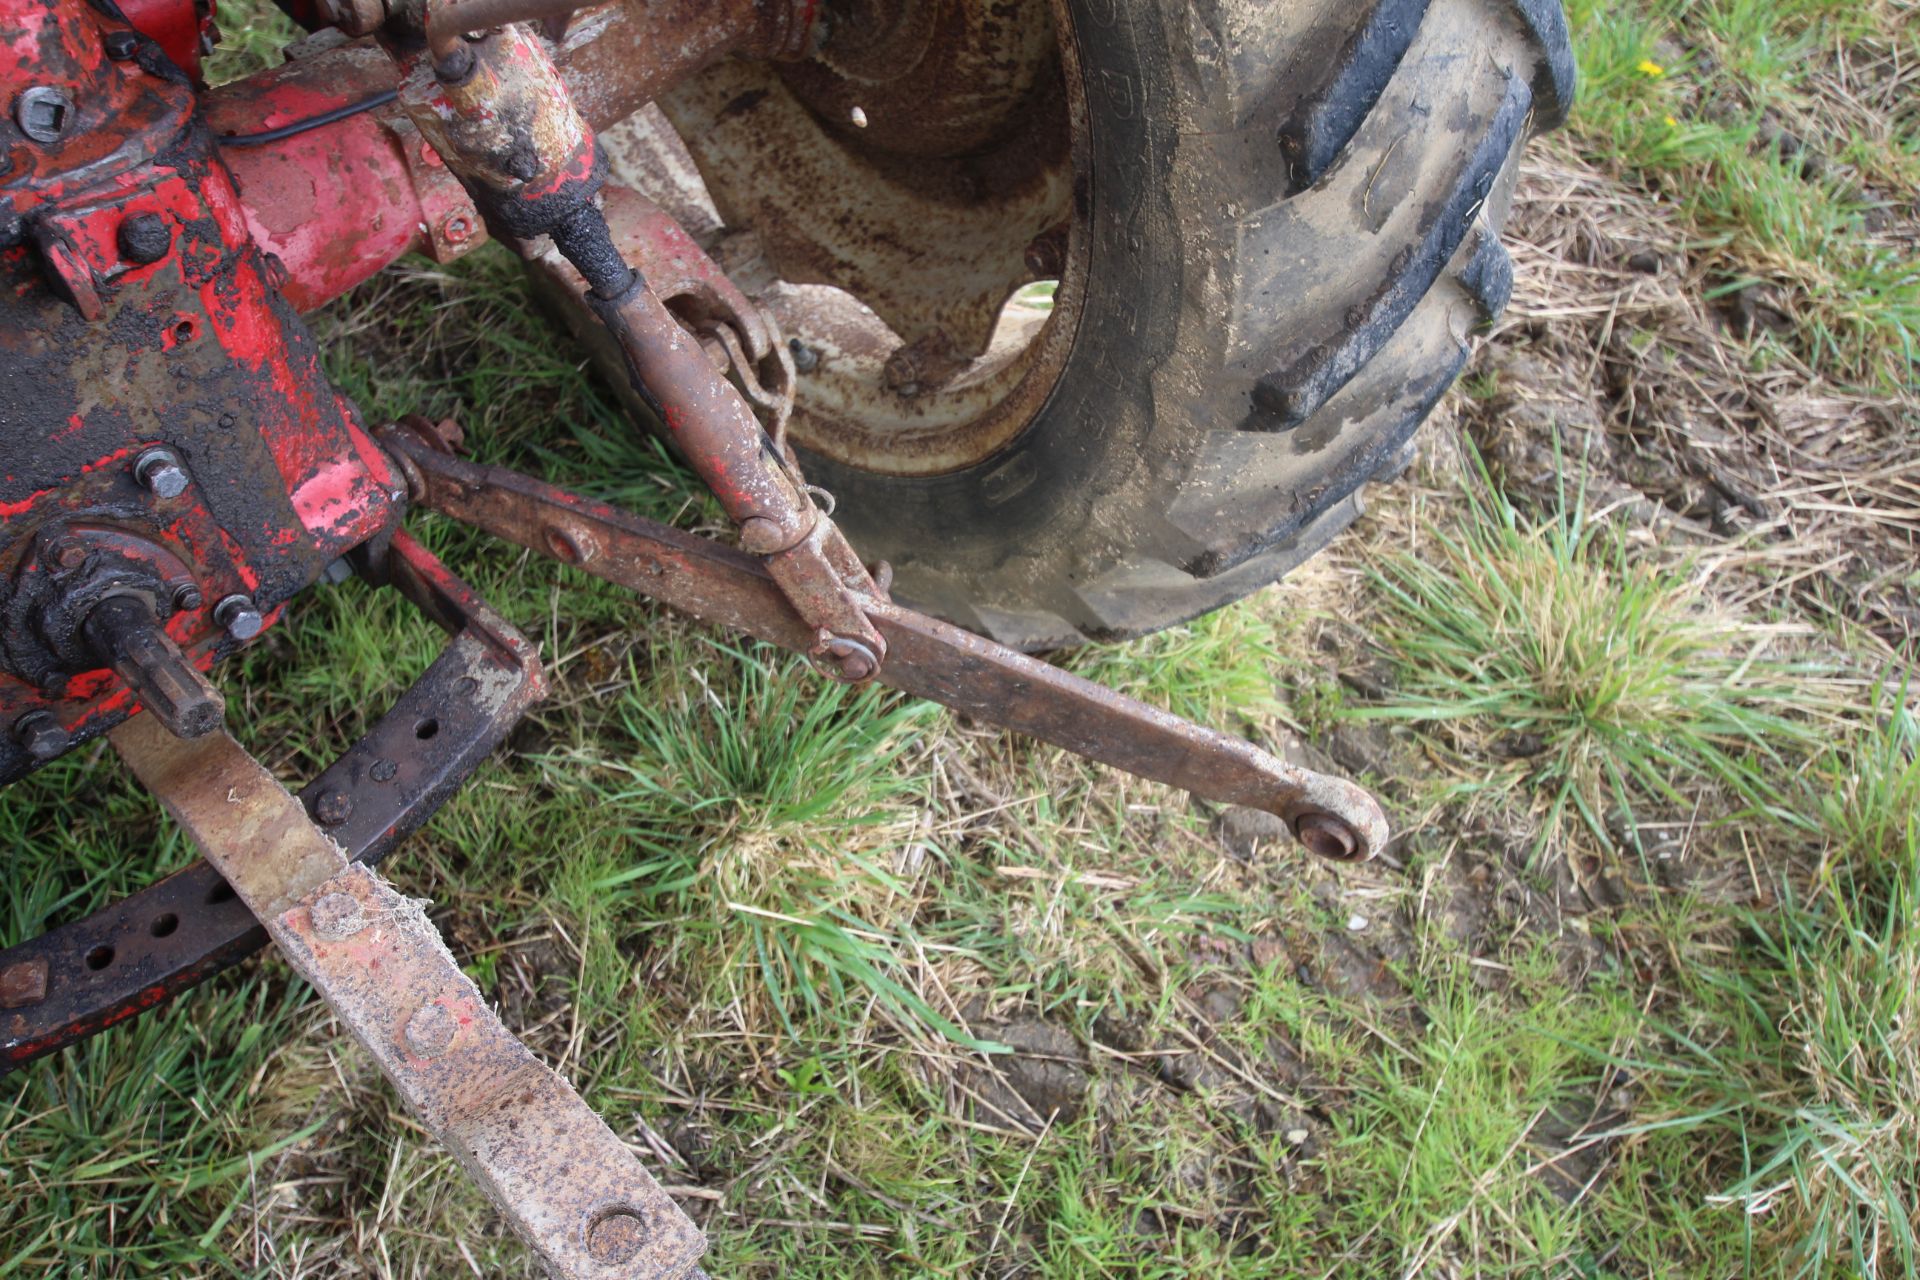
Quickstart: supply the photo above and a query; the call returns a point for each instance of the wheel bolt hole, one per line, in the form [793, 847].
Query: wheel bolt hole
[222, 892]
[99, 958]
[164, 925]
[426, 729]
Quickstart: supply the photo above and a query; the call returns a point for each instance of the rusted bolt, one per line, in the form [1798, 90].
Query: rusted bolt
[457, 228]
[161, 473]
[760, 535]
[22, 983]
[333, 808]
[845, 658]
[44, 113]
[68, 554]
[121, 45]
[337, 917]
[1326, 836]
[430, 1031]
[40, 735]
[187, 597]
[239, 617]
[805, 358]
[1046, 255]
[227, 421]
[144, 238]
[616, 1237]
[383, 771]
[570, 547]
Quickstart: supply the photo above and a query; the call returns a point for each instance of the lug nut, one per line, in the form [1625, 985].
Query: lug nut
[40, 735]
[160, 472]
[238, 616]
[144, 238]
[187, 598]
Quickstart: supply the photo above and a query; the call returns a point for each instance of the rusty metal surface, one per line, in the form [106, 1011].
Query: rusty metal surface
[896, 244]
[691, 286]
[267, 851]
[619, 56]
[925, 657]
[137, 954]
[560, 1176]
[925, 211]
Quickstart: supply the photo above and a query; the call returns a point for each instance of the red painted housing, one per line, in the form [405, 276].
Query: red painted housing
[337, 203]
[137, 310]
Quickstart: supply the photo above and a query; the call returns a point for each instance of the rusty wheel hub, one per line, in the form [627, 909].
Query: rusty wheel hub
[898, 190]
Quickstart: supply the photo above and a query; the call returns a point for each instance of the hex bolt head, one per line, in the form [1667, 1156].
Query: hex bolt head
[616, 1237]
[44, 113]
[40, 735]
[144, 238]
[333, 808]
[122, 44]
[239, 617]
[161, 473]
[337, 917]
[187, 598]
[431, 1029]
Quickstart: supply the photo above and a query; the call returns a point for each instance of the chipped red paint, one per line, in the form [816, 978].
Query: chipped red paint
[337, 203]
[197, 350]
[177, 26]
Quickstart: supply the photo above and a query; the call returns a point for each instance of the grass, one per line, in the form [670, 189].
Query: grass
[1597, 675]
[1770, 126]
[779, 932]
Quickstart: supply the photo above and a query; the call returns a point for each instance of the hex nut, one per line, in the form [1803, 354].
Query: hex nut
[239, 617]
[161, 473]
[40, 735]
[333, 808]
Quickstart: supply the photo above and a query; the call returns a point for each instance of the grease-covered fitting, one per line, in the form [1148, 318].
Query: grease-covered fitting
[507, 127]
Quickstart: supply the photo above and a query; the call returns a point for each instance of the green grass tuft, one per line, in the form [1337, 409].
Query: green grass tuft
[1601, 675]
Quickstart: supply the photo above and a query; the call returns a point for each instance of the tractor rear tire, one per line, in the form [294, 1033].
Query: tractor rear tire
[1295, 216]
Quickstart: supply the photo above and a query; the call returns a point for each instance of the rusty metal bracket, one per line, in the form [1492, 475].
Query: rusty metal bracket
[569, 1187]
[930, 659]
[95, 972]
